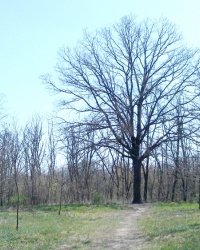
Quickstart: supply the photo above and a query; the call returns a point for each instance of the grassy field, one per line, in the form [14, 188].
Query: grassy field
[41, 227]
[173, 226]
[167, 226]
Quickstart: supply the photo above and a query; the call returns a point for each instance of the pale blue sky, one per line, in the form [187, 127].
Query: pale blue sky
[32, 31]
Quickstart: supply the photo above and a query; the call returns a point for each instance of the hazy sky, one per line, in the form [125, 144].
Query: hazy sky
[32, 31]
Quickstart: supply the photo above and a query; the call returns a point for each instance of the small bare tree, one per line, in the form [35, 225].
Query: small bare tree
[17, 168]
[33, 154]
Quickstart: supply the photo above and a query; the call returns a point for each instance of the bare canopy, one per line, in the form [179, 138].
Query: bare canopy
[126, 81]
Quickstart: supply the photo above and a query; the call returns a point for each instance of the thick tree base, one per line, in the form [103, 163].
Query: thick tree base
[137, 202]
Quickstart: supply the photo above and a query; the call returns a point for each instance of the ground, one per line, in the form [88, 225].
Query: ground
[128, 236]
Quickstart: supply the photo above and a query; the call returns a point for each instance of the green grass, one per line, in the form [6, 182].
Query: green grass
[173, 226]
[41, 227]
[81, 208]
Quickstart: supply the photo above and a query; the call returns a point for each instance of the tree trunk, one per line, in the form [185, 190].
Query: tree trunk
[185, 189]
[145, 185]
[137, 165]
[174, 186]
[146, 177]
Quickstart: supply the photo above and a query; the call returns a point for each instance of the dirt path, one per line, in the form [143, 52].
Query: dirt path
[128, 236]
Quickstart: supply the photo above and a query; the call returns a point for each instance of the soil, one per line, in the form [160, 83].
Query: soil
[128, 236]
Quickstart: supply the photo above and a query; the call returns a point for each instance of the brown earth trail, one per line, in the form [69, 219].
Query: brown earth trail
[126, 236]
[129, 235]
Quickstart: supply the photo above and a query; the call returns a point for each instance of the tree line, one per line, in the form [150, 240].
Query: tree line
[37, 168]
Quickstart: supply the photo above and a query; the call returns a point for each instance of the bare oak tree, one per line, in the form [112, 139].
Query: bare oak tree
[123, 81]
